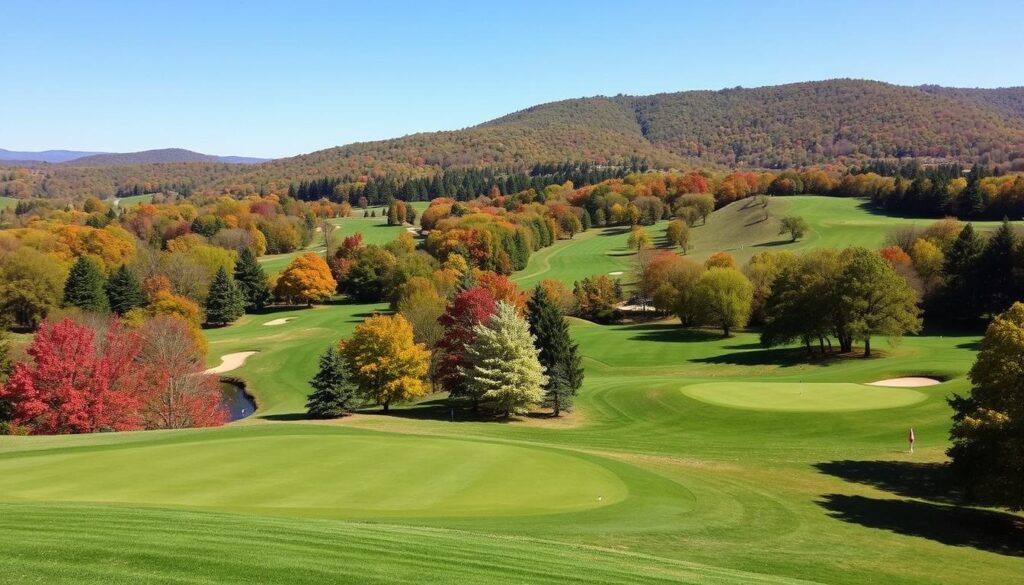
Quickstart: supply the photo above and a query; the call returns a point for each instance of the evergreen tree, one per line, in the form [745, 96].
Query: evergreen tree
[963, 292]
[998, 263]
[251, 281]
[85, 288]
[586, 222]
[505, 367]
[225, 303]
[334, 392]
[124, 291]
[558, 354]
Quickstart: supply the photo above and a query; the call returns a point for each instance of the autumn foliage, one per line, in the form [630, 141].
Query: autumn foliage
[81, 381]
[306, 280]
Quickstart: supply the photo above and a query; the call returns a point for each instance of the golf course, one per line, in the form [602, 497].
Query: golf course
[689, 457]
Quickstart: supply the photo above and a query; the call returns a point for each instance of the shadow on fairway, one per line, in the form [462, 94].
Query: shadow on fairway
[439, 409]
[773, 244]
[670, 334]
[929, 481]
[782, 357]
[996, 532]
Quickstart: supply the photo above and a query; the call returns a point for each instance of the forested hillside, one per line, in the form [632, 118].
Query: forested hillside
[824, 122]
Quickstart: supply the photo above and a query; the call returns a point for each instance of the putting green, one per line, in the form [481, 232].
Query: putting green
[802, 396]
[344, 476]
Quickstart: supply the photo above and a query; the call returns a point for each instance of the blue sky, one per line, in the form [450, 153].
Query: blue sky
[286, 78]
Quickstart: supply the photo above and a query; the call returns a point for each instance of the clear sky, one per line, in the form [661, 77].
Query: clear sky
[284, 78]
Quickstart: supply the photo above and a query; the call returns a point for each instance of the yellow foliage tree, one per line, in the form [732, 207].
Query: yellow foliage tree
[387, 365]
[307, 280]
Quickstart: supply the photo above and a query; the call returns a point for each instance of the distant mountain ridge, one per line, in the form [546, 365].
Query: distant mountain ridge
[48, 156]
[102, 159]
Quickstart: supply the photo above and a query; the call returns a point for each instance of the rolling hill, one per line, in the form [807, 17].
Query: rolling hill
[47, 156]
[161, 156]
[820, 122]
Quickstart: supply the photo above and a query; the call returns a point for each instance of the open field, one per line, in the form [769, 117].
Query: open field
[6, 202]
[690, 458]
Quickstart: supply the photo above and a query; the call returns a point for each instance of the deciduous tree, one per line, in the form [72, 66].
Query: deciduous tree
[306, 280]
[387, 365]
[988, 424]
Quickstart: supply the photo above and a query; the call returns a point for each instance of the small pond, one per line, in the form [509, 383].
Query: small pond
[238, 402]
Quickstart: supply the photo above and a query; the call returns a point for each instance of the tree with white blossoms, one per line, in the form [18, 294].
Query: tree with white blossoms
[504, 363]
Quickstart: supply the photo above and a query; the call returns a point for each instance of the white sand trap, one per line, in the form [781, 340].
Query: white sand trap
[617, 273]
[230, 362]
[909, 382]
[278, 321]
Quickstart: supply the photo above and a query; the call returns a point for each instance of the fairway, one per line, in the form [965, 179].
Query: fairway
[802, 397]
[354, 476]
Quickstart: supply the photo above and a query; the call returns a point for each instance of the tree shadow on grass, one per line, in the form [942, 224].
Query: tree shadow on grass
[930, 481]
[773, 244]
[986, 530]
[783, 357]
[441, 409]
[287, 417]
[663, 333]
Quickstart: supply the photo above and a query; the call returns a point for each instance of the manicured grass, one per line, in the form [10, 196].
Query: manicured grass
[688, 458]
[8, 202]
[801, 397]
[837, 222]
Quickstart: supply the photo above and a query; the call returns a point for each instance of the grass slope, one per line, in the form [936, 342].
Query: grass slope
[8, 202]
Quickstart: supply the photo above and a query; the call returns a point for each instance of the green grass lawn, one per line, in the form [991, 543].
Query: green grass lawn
[133, 200]
[8, 202]
[690, 458]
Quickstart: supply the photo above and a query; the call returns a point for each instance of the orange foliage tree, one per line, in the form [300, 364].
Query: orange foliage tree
[306, 280]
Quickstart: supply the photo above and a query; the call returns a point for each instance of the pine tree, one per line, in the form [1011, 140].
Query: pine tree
[558, 354]
[251, 281]
[963, 294]
[124, 291]
[225, 303]
[505, 367]
[586, 222]
[85, 288]
[998, 262]
[334, 392]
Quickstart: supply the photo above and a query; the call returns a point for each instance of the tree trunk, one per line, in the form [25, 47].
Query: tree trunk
[387, 405]
[867, 347]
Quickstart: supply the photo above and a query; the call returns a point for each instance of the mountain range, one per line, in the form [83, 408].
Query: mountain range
[99, 159]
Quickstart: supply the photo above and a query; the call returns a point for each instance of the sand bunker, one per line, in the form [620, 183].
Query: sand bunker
[617, 273]
[908, 382]
[230, 362]
[278, 321]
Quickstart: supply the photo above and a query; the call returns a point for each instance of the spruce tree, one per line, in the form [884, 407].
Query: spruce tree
[963, 294]
[124, 291]
[505, 368]
[998, 263]
[251, 281]
[334, 392]
[585, 221]
[558, 354]
[225, 303]
[85, 287]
